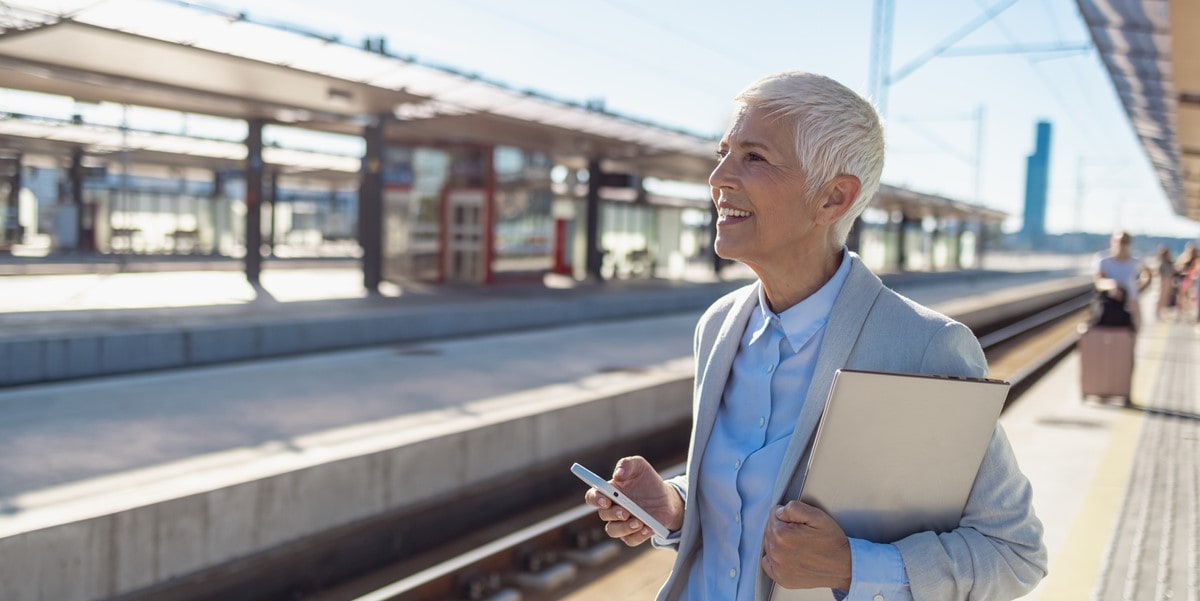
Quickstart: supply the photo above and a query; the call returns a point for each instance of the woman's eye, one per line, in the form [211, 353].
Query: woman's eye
[754, 156]
[721, 154]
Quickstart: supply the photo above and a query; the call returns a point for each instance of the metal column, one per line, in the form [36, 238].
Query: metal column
[956, 257]
[254, 193]
[934, 238]
[273, 199]
[75, 175]
[595, 256]
[902, 243]
[981, 243]
[218, 194]
[370, 204]
[11, 220]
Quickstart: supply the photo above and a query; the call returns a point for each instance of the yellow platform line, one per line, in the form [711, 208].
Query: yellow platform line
[1075, 570]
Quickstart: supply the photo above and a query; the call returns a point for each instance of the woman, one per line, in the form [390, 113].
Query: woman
[800, 162]
[1187, 273]
[1166, 281]
[1120, 277]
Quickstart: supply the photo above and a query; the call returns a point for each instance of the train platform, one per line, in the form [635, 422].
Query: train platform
[78, 323]
[119, 484]
[1118, 487]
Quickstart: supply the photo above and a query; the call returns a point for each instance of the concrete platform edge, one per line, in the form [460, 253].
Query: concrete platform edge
[121, 552]
[55, 358]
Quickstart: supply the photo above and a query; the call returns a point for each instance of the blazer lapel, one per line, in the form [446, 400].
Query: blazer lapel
[845, 322]
[715, 372]
[717, 355]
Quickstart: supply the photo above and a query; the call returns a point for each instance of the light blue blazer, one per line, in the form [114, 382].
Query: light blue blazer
[995, 553]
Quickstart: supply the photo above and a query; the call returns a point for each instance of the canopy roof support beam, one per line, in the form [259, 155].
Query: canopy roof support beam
[254, 190]
[370, 205]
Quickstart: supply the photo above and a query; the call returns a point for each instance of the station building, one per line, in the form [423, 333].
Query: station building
[288, 143]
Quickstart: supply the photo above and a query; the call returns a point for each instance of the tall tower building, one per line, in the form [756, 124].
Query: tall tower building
[1037, 179]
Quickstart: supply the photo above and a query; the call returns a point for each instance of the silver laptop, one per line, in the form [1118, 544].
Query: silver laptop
[895, 454]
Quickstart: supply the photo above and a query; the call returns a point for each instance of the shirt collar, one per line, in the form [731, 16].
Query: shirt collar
[800, 321]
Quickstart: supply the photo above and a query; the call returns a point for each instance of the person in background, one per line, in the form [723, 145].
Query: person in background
[797, 167]
[1187, 270]
[1120, 277]
[1166, 281]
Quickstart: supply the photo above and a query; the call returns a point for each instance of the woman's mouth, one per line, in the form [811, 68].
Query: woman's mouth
[726, 215]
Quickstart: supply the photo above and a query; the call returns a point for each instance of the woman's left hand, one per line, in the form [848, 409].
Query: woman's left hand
[803, 547]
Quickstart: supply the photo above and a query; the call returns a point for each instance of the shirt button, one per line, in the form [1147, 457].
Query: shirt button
[737, 465]
[737, 518]
[733, 574]
[770, 368]
[877, 598]
[762, 421]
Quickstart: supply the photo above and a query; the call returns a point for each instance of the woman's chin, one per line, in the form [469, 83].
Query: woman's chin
[728, 248]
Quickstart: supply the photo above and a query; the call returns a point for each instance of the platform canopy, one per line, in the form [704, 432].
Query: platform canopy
[188, 58]
[46, 137]
[918, 205]
[1152, 51]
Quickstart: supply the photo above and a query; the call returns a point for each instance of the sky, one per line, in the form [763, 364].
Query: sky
[680, 62]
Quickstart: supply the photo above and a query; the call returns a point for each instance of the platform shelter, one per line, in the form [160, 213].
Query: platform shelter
[459, 178]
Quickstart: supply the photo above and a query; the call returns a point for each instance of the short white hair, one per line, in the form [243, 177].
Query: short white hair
[836, 131]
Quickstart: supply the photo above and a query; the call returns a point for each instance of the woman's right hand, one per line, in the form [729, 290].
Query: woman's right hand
[636, 478]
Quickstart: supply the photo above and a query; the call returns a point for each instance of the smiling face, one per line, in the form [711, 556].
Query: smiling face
[765, 218]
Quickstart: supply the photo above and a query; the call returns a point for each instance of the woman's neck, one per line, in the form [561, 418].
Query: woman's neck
[786, 286]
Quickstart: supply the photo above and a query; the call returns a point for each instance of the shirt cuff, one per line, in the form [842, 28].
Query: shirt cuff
[670, 542]
[876, 573]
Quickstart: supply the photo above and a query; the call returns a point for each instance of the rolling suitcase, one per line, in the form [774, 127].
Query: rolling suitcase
[1106, 361]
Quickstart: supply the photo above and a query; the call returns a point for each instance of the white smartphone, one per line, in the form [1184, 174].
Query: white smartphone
[602, 485]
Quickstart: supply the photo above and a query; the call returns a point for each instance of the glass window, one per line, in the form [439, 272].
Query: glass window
[524, 237]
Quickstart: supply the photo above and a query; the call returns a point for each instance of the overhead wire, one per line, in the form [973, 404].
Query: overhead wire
[941, 144]
[1072, 114]
[1052, 18]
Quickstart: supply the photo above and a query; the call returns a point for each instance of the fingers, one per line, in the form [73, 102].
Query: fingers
[618, 521]
[631, 532]
[631, 468]
[796, 512]
[594, 498]
[768, 567]
[605, 508]
[799, 519]
[610, 512]
[620, 524]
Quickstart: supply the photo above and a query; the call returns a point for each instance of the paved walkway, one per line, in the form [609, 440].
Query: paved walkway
[1155, 550]
[1118, 488]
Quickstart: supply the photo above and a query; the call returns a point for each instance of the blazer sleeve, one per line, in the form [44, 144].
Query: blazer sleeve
[702, 342]
[997, 550]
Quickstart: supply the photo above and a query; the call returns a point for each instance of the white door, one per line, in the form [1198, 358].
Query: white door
[465, 241]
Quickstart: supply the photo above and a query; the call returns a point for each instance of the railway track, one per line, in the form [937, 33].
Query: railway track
[562, 546]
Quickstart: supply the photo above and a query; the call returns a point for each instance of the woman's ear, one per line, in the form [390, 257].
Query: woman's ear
[837, 197]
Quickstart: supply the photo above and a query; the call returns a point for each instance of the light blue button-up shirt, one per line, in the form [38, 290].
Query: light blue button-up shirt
[759, 410]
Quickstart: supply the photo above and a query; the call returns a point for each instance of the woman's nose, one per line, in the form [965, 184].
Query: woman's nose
[721, 176]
